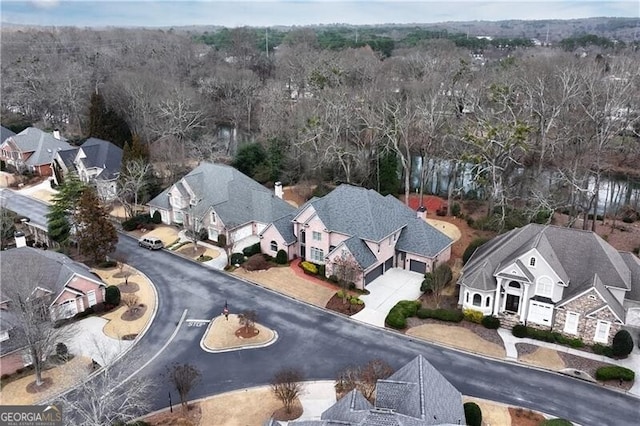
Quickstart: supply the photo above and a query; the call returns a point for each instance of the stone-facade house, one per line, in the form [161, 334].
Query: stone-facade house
[32, 150]
[221, 200]
[417, 395]
[63, 286]
[96, 162]
[562, 279]
[360, 227]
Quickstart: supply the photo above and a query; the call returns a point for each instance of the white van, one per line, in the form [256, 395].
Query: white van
[152, 243]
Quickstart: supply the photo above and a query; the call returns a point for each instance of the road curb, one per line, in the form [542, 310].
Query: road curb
[204, 347]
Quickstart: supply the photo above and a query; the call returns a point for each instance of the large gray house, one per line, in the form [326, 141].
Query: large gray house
[567, 280]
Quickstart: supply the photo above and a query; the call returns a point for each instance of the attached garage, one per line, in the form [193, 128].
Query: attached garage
[242, 233]
[388, 264]
[540, 313]
[633, 317]
[417, 266]
[377, 272]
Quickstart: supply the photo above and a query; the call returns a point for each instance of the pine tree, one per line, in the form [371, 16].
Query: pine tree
[105, 123]
[64, 203]
[96, 235]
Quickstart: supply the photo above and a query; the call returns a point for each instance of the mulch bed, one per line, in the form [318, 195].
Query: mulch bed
[479, 330]
[130, 287]
[188, 250]
[134, 313]
[47, 382]
[281, 414]
[179, 417]
[122, 274]
[129, 337]
[523, 417]
[336, 304]
[244, 333]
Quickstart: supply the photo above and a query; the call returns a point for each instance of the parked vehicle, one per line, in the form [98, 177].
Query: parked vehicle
[152, 243]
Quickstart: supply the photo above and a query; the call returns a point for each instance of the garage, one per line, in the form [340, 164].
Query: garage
[388, 264]
[417, 266]
[633, 317]
[242, 233]
[540, 313]
[373, 274]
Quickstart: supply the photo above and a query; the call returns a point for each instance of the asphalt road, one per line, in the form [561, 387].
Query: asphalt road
[29, 207]
[321, 344]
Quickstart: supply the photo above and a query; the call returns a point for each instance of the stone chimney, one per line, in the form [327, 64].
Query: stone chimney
[56, 134]
[21, 240]
[422, 212]
[278, 190]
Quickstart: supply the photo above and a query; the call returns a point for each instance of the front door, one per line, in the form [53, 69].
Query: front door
[513, 303]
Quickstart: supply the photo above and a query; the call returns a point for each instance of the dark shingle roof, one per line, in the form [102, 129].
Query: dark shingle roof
[5, 133]
[361, 252]
[67, 156]
[633, 262]
[577, 255]
[102, 154]
[236, 198]
[285, 228]
[42, 144]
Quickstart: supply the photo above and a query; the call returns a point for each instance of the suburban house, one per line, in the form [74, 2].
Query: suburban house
[360, 227]
[64, 287]
[221, 200]
[563, 279]
[417, 395]
[96, 162]
[32, 150]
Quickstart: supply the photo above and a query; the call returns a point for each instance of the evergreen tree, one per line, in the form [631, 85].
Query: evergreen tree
[105, 123]
[388, 179]
[96, 235]
[64, 203]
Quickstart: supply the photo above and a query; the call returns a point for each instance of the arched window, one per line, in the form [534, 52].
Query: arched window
[487, 302]
[274, 246]
[532, 261]
[544, 287]
[514, 284]
[477, 300]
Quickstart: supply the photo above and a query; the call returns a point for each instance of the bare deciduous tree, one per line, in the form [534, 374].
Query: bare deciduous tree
[248, 320]
[287, 386]
[130, 300]
[184, 377]
[364, 378]
[132, 182]
[346, 269]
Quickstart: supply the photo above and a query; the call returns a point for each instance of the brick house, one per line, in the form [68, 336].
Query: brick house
[556, 278]
[32, 150]
[63, 286]
[372, 232]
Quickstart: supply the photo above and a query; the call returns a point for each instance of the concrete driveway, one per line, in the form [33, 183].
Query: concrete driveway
[87, 339]
[395, 285]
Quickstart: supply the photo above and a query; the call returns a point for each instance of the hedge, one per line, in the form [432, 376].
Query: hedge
[251, 250]
[556, 422]
[132, 224]
[520, 330]
[615, 372]
[281, 257]
[472, 315]
[472, 414]
[491, 322]
[602, 350]
[397, 317]
[309, 268]
[451, 315]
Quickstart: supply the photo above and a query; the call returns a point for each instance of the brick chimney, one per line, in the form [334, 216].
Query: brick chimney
[422, 212]
[278, 190]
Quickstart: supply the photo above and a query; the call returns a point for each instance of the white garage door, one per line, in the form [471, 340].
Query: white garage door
[540, 313]
[633, 317]
[241, 233]
[260, 227]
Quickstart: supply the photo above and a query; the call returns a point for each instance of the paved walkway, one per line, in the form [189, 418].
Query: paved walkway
[317, 397]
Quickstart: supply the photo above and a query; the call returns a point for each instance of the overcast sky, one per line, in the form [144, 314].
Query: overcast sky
[152, 13]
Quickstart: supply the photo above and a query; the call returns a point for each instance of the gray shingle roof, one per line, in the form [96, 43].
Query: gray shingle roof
[577, 254]
[5, 133]
[67, 156]
[42, 144]
[285, 228]
[361, 252]
[366, 214]
[236, 198]
[633, 263]
[102, 154]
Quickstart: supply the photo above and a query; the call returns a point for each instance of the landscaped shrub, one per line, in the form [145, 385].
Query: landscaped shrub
[556, 422]
[340, 294]
[573, 342]
[322, 270]
[157, 217]
[257, 262]
[108, 264]
[450, 315]
[615, 372]
[396, 320]
[204, 258]
[333, 279]
[281, 257]
[137, 222]
[354, 300]
[398, 314]
[472, 414]
[222, 240]
[473, 316]
[112, 295]
[309, 268]
[473, 245]
[237, 258]
[203, 234]
[519, 330]
[62, 351]
[543, 335]
[251, 250]
[602, 350]
[491, 322]
[427, 283]
[622, 344]
[455, 209]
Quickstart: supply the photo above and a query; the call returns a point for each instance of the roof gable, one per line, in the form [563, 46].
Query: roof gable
[43, 145]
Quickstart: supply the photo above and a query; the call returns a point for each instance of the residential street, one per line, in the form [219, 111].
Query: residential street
[322, 343]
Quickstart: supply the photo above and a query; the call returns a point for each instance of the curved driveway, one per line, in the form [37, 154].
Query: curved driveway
[322, 343]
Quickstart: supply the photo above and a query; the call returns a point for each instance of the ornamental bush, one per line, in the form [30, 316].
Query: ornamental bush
[222, 240]
[62, 351]
[309, 268]
[491, 322]
[427, 283]
[556, 422]
[237, 258]
[157, 217]
[396, 320]
[519, 330]
[615, 372]
[602, 350]
[251, 250]
[472, 414]
[622, 344]
[450, 315]
[398, 314]
[281, 257]
[112, 295]
[473, 316]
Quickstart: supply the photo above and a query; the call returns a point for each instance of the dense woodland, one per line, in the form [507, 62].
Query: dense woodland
[537, 127]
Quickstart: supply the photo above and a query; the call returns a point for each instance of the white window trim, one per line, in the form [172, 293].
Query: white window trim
[473, 300]
[606, 324]
[574, 329]
[532, 262]
[314, 234]
[317, 254]
[540, 283]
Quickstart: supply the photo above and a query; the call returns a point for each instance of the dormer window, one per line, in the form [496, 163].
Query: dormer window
[4, 335]
[532, 262]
